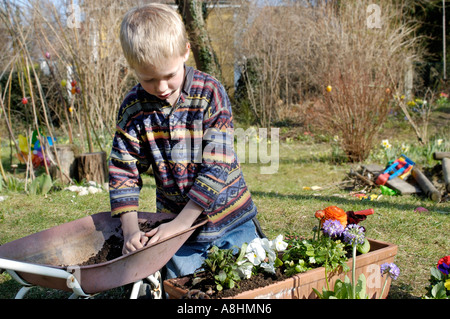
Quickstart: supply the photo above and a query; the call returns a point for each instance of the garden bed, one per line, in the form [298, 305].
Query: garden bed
[299, 286]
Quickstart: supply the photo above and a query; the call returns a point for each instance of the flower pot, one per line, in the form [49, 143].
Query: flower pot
[301, 286]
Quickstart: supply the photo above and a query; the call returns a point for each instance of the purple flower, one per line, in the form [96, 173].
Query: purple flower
[332, 228]
[354, 234]
[391, 269]
[444, 268]
[444, 265]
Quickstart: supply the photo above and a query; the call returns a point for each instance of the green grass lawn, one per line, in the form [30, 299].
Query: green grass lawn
[284, 206]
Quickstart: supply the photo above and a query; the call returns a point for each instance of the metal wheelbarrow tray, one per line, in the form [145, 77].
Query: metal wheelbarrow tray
[40, 259]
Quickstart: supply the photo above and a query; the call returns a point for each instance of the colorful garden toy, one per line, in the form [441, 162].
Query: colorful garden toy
[400, 167]
[37, 158]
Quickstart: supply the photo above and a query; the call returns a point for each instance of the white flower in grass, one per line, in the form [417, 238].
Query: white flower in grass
[386, 144]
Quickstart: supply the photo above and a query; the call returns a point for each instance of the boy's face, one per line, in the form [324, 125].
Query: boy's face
[165, 80]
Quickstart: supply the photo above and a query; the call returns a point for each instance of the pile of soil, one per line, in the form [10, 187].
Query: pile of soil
[112, 248]
[206, 288]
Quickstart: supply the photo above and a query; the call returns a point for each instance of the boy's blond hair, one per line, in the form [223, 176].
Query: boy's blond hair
[151, 33]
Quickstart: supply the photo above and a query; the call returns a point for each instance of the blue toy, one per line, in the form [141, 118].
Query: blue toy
[399, 167]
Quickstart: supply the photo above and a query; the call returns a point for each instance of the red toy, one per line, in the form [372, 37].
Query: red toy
[400, 166]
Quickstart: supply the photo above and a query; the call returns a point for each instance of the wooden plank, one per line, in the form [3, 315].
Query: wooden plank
[403, 187]
[441, 155]
[446, 172]
[427, 187]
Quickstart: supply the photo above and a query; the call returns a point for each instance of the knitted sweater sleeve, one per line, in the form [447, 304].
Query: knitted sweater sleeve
[127, 161]
[217, 150]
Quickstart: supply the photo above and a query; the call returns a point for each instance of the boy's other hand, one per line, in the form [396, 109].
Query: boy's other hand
[134, 241]
[166, 230]
[183, 221]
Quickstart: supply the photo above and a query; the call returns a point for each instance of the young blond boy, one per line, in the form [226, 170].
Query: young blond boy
[178, 121]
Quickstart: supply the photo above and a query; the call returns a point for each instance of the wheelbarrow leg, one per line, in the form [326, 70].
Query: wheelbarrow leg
[25, 285]
[22, 292]
[149, 287]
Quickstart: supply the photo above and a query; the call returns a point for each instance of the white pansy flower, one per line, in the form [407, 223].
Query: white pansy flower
[268, 267]
[269, 249]
[279, 244]
[245, 270]
[266, 244]
[255, 252]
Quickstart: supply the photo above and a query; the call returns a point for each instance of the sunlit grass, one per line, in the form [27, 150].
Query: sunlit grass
[286, 202]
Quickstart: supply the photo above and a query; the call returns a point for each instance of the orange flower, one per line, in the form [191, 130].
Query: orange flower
[320, 214]
[333, 212]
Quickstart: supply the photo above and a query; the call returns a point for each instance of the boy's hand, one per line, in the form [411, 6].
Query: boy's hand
[134, 241]
[166, 230]
[133, 237]
[183, 221]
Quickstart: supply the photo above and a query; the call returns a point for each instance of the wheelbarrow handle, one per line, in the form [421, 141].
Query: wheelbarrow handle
[8, 264]
[19, 266]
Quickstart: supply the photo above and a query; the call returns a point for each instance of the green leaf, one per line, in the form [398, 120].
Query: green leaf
[319, 295]
[348, 286]
[436, 273]
[342, 290]
[361, 287]
[278, 262]
[222, 276]
[242, 252]
[365, 247]
[46, 184]
[235, 275]
[438, 291]
[33, 187]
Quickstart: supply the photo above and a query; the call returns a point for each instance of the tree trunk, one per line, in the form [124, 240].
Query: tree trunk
[204, 55]
[66, 170]
[92, 167]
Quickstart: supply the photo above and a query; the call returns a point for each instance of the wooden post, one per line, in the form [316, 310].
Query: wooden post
[445, 158]
[92, 167]
[440, 155]
[427, 187]
[446, 172]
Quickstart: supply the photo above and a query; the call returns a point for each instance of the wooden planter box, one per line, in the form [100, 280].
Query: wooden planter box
[300, 286]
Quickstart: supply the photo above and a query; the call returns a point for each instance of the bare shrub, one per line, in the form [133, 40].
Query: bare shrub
[87, 51]
[365, 66]
[299, 50]
[73, 43]
[265, 50]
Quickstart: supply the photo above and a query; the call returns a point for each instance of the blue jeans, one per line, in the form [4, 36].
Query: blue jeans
[191, 255]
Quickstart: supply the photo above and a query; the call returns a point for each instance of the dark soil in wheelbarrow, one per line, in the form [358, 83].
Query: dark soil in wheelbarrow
[112, 248]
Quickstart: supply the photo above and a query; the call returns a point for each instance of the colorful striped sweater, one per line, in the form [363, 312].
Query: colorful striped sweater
[190, 149]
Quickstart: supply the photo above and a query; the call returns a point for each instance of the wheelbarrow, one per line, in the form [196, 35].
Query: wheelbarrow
[53, 258]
